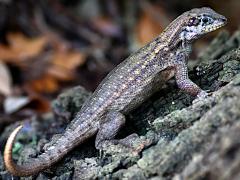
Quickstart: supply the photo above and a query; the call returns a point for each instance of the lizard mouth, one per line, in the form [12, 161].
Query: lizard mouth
[215, 27]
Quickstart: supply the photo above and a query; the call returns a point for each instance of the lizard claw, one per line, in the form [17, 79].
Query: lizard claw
[202, 95]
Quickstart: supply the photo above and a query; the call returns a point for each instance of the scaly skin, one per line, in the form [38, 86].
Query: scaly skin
[126, 87]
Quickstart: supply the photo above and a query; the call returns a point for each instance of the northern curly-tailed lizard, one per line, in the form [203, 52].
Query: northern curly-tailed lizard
[126, 87]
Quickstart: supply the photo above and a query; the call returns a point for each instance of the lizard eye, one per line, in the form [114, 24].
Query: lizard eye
[193, 21]
[205, 20]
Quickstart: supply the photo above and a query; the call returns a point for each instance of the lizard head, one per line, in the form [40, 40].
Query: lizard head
[200, 21]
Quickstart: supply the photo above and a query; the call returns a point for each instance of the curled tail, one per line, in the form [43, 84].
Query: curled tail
[42, 162]
[53, 154]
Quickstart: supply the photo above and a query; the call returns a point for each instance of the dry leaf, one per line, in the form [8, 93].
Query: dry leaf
[60, 67]
[61, 73]
[64, 62]
[68, 59]
[21, 47]
[13, 104]
[5, 80]
[39, 104]
[47, 84]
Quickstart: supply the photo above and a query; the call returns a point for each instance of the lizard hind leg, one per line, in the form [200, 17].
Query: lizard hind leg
[111, 124]
[109, 127]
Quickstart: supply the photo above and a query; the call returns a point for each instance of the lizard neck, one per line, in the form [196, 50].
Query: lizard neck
[171, 36]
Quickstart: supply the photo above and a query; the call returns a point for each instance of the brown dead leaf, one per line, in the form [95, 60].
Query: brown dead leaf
[68, 59]
[39, 104]
[60, 66]
[21, 47]
[5, 80]
[42, 71]
[35, 102]
[64, 62]
[61, 73]
[46, 84]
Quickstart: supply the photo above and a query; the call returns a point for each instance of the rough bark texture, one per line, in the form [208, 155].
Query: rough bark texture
[185, 140]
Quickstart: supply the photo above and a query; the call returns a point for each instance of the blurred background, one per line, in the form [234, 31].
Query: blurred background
[48, 46]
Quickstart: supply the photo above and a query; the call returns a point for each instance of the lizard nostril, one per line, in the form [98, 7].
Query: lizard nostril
[224, 19]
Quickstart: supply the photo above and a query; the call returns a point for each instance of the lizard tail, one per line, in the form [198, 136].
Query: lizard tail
[53, 154]
[12, 167]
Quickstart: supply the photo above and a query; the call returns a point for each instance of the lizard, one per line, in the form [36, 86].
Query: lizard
[125, 88]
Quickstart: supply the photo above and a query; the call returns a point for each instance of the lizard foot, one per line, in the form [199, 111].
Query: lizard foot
[129, 140]
[202, 95]
[131, 143]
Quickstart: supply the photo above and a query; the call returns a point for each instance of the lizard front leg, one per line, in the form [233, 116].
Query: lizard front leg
[185, 84]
